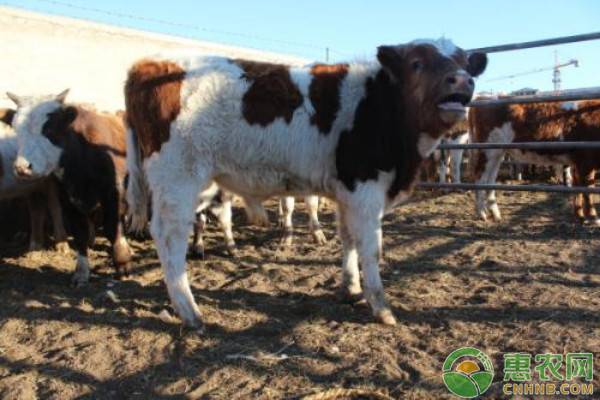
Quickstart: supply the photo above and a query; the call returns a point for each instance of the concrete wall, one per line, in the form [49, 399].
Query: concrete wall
[44, 54]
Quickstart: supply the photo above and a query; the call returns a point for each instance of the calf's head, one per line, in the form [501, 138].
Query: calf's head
[38, 124]
[433, 79]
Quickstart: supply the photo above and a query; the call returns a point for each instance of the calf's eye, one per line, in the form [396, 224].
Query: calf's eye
[416, 65]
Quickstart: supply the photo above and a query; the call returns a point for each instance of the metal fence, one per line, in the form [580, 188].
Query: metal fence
[552, 96]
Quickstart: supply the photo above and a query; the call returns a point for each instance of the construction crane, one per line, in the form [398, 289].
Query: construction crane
[555, 76]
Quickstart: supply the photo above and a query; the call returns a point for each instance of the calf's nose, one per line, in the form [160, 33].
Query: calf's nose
[22, 168]
[460, 80]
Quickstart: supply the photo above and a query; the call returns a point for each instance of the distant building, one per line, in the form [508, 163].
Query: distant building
[45, 54]
[524, 92]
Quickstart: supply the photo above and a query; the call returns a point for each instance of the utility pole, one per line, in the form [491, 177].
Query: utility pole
[327, 55]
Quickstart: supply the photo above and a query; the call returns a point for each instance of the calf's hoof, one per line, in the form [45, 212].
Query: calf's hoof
[192, 320]
[260, 221]
[385, 316]
[80, 279]
[592, 222]
[319, 237]
[62, 247]
[482, 214]
[35, 246]
[231, 250]
[288, 239]
[196, 252]
[122, 269]
[348, 296]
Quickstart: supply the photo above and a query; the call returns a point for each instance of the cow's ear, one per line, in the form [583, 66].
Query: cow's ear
[391, 57]
[477, 64]
[15, 99]
[62, 96]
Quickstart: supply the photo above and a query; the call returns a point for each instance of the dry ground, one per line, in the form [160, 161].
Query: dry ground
[275, 326]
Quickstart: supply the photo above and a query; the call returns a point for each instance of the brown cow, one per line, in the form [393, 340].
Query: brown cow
[572, 122]
[86, 150]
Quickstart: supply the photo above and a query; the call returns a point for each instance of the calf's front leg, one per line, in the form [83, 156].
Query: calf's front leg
[363, 218]
[81, 231]
[351, 289]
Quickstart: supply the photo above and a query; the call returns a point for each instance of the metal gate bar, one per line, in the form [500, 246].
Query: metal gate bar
[549, 96]
[509, 188]
[524, 146]
[537, 43]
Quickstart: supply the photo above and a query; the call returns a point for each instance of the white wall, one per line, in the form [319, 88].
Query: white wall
[44, 54]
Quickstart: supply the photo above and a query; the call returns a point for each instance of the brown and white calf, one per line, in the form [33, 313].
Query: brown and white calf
[40, 194]
[451, 160]
[356, 133]
[571, 122]
[86, 150]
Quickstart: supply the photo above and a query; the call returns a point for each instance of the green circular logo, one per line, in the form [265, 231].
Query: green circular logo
[468, 372]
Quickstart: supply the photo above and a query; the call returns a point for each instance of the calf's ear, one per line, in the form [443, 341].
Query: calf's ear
[477, 64]
[15, 99]
[391, 57]
[62, 96]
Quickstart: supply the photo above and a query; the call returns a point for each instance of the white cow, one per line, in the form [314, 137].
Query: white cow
[356, 133]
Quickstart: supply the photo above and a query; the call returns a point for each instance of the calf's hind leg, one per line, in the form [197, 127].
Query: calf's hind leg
[351, 289]
[80, 230]
[58, 223]
[174, 203]
[286, 209]
[312, 207]
[37, 217]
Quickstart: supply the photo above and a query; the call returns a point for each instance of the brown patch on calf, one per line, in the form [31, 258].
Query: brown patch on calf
[7, 115]
[271, 95]
[458, 129]
[153, 100]
[324, 93]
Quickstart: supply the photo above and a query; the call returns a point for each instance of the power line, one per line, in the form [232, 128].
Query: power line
[186, 26]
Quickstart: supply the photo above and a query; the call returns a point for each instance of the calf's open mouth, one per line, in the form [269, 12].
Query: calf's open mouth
[454, 102]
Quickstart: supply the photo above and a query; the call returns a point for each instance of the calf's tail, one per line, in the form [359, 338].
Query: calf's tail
[138, 193]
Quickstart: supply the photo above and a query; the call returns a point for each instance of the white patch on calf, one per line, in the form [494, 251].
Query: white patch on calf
[427, 144]
[33, 147]
[444, 46]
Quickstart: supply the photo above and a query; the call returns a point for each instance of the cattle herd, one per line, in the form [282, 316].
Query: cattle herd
[198, 130]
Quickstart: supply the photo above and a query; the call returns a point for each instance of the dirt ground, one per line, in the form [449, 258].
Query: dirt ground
[275, 326]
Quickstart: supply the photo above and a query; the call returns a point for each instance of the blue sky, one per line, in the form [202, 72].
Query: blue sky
[353, 29]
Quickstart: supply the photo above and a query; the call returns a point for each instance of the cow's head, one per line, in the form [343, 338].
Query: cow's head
[434, 80]
[35, 124]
